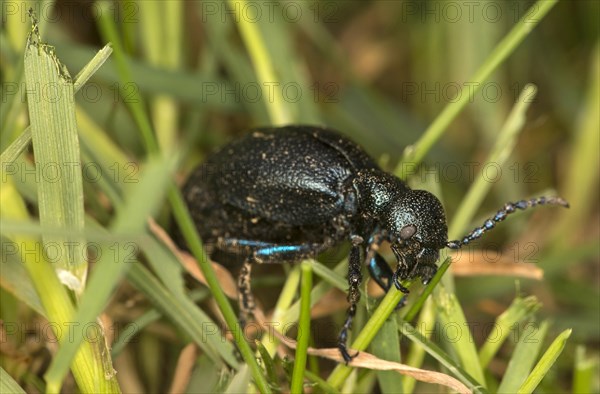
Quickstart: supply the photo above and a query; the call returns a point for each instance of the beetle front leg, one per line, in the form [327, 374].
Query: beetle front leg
[382, 274]
[379, 270]
[354, 280]
[398, 276]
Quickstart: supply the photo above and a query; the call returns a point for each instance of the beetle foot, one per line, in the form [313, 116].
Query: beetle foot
[396, 278]
[345, 355]
[342, 339]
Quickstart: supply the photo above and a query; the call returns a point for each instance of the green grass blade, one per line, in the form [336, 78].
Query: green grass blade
[92, 67]
[376, 321]
[545, 363]
[386, 346]
[286, 313]
[500, 153]
[116, 171]
[18, 146]
[298, 91]
[149, 317]
[192, 239]
[268, 363]
[15, 279]
[364, 338]
[60, 201]
[8, 384]
[169, 271]
[585, 372]
[329, 275]
[450, 314]
[91, 366]
[418, 304]
[162, 41]
[142, 201]
[240, 381]
[581, 180]
[322, 384]
[153, 80]
[184, 314]
[237, 64]
[520, 309]
[135, 103]
[441, 356]
[292, 313]
[263, 64]
[303, 329]
[414, 154]
[526, 352]
[282, 314]
[13, 151]
[50, 98]
[416, 353]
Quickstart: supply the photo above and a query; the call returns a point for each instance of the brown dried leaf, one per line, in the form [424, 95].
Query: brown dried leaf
[228, 284]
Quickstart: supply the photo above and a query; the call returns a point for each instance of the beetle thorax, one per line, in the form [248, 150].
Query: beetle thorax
[377, 191]
[390, 205]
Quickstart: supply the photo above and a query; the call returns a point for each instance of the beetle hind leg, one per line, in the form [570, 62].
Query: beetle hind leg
[258, 252]
[245, 296]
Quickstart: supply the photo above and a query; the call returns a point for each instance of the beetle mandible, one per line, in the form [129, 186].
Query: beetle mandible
[284, 194]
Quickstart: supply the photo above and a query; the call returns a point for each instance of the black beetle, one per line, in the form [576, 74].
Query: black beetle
[284, 194]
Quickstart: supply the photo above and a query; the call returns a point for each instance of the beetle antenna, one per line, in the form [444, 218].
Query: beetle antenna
[501, 215]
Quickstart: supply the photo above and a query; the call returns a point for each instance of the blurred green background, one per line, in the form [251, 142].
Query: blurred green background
[378, 71]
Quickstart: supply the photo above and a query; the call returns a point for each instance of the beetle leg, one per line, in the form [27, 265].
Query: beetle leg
[402, 271]
[396, 278]
[267, 252]
[245, 297]
[377, 266]
[383, 275]
[261, 252]
[354, 279]
[380, 271]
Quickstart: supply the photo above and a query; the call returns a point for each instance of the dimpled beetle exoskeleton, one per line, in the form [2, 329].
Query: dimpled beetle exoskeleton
[285, 194]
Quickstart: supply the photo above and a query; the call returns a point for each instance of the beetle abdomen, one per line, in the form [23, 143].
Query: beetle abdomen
[278, 185]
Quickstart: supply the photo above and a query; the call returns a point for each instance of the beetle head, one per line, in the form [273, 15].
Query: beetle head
[417, 229]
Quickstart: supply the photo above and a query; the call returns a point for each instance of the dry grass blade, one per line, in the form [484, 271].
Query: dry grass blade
[504, 265]
[183, 371]
[369, 361]
[189, 263]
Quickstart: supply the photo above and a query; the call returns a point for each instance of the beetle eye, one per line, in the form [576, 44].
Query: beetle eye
[408, 231]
